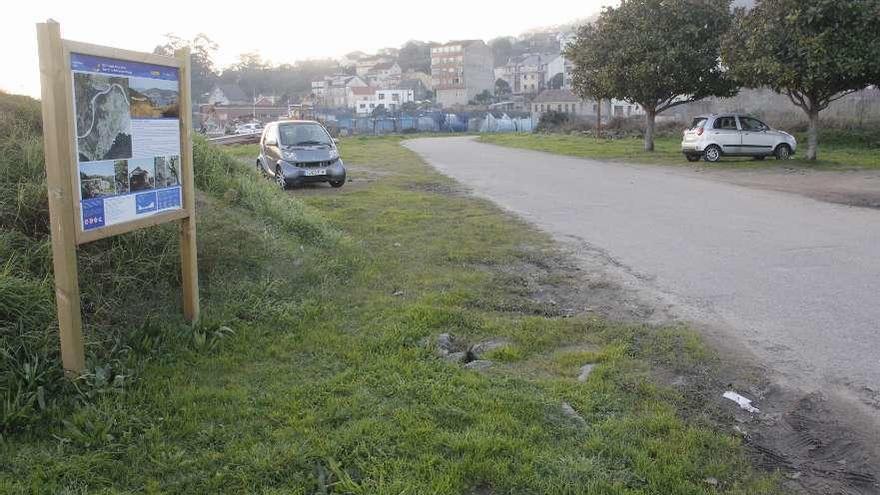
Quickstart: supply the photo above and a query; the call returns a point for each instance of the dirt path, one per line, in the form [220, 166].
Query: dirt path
[847, 187]
[785, 285]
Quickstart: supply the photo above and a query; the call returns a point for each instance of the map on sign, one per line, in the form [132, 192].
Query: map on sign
[127, 138]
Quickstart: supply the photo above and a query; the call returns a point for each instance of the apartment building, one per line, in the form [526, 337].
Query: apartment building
[460, 70]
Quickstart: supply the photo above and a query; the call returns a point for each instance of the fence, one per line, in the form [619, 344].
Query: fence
[436, 122]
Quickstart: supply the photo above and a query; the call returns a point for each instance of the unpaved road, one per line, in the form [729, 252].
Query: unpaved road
[790, 280]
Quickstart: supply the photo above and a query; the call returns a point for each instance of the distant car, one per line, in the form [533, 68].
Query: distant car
[294, 152]
[713, 136]
[251, 128]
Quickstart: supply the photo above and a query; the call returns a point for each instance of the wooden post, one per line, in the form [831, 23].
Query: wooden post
[57, 121]
[188, 254]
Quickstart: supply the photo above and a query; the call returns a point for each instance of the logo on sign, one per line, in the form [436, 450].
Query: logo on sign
[145, 202]
[92, 213]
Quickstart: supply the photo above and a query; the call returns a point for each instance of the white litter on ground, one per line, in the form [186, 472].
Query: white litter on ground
[741, 401]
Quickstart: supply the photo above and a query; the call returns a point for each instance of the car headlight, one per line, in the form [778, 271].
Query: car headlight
[289, 156]
[334, 155]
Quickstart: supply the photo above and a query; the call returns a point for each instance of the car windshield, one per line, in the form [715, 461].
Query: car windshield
[698, 122]
[303, 135]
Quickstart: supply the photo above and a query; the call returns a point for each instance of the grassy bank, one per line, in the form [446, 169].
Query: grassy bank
[837, 150]
[314, 369]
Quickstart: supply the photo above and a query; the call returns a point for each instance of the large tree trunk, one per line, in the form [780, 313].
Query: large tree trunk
[649, 129]
[599, 118]
[813, 134]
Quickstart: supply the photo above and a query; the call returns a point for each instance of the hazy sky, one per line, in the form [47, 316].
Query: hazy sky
[287, 31]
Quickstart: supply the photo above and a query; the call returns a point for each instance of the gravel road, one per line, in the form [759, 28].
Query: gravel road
[791, 280]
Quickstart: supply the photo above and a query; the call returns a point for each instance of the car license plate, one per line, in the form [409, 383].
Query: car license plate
[317, 171]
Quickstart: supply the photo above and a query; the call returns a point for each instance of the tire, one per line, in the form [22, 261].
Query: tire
[712, 154]
[337, 183]
[279, 179]
[692, 158]
[782, 152]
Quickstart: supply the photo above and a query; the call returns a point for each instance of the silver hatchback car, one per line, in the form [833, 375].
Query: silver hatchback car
[712, 136]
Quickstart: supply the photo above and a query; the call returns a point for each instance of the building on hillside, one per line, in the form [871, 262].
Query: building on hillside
[351, 59]
[560, 64]
[365, 100]
[384, 75]
[227, 94]
[394, 98]
[526, 73]
[333, 91]
[362, 99]
[366, 64]
[460, 70]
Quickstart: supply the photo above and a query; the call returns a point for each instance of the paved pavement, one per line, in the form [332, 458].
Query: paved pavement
[795, 280]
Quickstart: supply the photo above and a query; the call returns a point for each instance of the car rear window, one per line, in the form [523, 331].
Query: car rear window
[698, 122]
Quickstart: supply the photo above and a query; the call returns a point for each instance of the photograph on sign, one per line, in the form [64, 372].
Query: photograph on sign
[127, 117]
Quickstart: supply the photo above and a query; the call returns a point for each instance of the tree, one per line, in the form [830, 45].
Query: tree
[483, 98]
[502, 87]
[202, 49]
[502, 50]
[815, 52]
[654, 53]
[415, 55]
[556, 82]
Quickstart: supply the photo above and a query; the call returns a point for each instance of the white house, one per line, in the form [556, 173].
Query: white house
[366, 100]
[384, 75]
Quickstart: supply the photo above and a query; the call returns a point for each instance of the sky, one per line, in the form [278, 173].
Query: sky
[288, 31]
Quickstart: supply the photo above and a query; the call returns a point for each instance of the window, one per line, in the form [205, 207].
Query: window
[750, 124]
[698, 122]
[559, 107]
[381, 96]
[395, 96]
[725, 123]
[298, 134]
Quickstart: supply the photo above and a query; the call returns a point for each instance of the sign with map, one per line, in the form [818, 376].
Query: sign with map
[127, 123]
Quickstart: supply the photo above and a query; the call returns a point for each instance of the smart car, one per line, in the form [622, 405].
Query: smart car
[713, 136]
[294, 152]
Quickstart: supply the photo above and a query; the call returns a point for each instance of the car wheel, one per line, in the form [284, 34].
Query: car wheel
[279, 179]
[783, 152]
[337, 183]
[692, 158]
[712, 154]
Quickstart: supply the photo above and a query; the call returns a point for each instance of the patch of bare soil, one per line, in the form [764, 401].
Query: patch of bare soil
[815, 442]
[846, 187]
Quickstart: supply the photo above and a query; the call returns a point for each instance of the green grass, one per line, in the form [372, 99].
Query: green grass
[837, 150]
[310, 371]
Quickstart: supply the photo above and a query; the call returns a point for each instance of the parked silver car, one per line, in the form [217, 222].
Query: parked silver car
[294, 152]
[712, 136]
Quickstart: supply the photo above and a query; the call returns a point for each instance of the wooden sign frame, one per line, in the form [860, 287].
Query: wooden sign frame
[59, 142]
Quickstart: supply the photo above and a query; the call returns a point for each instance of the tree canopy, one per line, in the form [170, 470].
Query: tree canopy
[202, 49]
[655, 53]
[814, 52]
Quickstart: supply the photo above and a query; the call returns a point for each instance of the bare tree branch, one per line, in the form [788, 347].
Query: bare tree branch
[832, 99]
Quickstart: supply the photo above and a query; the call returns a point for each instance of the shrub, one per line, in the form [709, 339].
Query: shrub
[124, 280]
